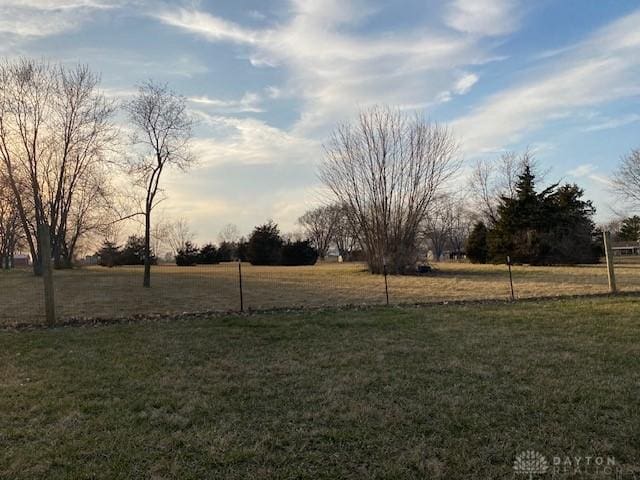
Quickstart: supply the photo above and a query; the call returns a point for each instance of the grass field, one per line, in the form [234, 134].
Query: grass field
[441, 392]
[117, 292]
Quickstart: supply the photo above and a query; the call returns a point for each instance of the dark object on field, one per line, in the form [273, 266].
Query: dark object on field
[422, 269]
[298, 253]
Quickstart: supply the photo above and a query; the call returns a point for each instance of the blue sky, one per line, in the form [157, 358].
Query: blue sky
[268, 80]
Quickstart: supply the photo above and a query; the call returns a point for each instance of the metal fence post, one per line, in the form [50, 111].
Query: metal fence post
[386, 285]
[47, 273]
[513, 297]
[610, 268]
[240, 284]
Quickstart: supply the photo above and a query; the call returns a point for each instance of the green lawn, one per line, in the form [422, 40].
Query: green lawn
[439, 392]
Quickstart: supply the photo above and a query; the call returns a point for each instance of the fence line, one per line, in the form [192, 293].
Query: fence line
[117, 292]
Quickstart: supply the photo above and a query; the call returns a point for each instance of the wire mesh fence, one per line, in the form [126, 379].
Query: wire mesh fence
[100, 292]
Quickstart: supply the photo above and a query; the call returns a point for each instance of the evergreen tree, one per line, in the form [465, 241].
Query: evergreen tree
[265, 245]
[133, 252]
[109, 254]
[630, 229]
[551, 227]
[299, 253]
[208, 255]
[226, 251]
[188, 255]
[477, 249]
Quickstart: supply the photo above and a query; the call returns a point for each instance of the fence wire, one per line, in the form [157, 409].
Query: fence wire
[100, 292]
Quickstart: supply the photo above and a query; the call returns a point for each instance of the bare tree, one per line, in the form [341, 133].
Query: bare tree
[55, 130]
[163, 131]
[345, 233]
[626, 179]
[387, 168]
[177, 234]
[229, 234]
[319, 225]
[438, 225]
[10, 228]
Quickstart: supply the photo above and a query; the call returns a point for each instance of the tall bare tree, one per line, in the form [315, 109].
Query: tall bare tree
[229, 234]
[626, 179]
[55, 130]
[319, 226]
[387, 168]
[163, 132]
[178, 233]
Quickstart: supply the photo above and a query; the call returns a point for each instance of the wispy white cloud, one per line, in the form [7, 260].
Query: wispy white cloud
[609, 123]
[464, 83]
[590, 171]
[334, 69]
[250, 102]
[209, 26]
[42, 18]
[483, 17]
[603, 68]
[249, 141]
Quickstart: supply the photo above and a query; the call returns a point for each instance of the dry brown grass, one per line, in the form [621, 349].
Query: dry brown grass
[102, 292]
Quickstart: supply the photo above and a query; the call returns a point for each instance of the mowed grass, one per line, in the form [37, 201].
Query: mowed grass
[440, 392]
[118, 292]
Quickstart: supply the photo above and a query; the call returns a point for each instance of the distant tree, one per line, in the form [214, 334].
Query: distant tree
[630, 229]
[477, 249]
[162, 130]
[345, 235]
[319, 225]
[265, 245]
[11, 233]
[242, 250]
[300, 252]
[626, 179]
[188, 255]
[208, 255]
[229, 234]
[387, 168]
[134, 252]
[109, 254]
[226, 251]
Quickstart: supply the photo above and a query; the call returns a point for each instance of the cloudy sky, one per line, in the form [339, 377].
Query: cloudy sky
[268, 80]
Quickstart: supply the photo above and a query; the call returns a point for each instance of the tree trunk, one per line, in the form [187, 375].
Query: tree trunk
[147, 249]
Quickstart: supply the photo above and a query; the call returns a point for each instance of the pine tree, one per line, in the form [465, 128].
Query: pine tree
[208, 255]
[265, 245]
[109, 254]
[550, 227]
[477, 249]
[630, 229]
[188, 255]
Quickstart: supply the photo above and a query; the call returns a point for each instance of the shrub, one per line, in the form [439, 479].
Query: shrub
[298, 253]
[208, 255]
[187, 256]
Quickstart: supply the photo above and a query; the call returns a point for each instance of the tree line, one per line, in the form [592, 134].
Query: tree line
[265, 246]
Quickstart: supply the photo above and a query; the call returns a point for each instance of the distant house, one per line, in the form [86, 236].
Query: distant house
[20, 260]
[90, 259]
[625, 248]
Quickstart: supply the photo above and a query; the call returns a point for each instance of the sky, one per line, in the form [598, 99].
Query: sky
[267, 81]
